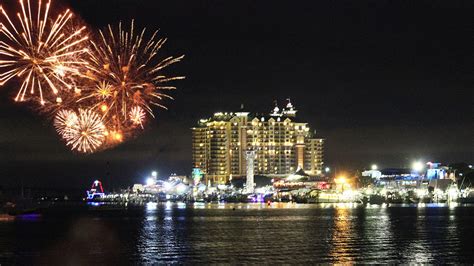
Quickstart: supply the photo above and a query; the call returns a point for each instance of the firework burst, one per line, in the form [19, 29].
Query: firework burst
[41, 51]
[84, 132]
[137, 116]
[127, 73]
[98, 91]
[64, 121]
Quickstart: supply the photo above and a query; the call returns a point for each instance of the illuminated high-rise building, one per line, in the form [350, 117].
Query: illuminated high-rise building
[281, 144]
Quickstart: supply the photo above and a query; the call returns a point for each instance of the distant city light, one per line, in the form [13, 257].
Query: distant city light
[327, 169]
[167, 185]
[150, 181]
[181, 188]
[154, 173]
[374, 167]
[418, 166]
[221, 187]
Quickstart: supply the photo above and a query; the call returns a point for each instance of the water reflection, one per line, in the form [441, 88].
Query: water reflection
[376, 240]
[381, 232]
[199, 205]
[342, 235]
[418, 248]
[158, 240]
[282, 233]
[425, 235]
[151, 206]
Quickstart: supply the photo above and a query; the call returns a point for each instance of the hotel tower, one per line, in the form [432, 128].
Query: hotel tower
[281, 143]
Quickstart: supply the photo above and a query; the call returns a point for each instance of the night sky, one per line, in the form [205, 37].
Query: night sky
[384, 82]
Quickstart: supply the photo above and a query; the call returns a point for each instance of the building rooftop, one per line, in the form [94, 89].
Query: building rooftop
[277, 114]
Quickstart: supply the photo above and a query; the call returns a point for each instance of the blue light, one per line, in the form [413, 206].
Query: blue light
[95, 203]
[93, 195]
[29, 217]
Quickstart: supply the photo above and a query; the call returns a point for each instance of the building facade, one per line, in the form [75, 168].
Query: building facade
[281, 143]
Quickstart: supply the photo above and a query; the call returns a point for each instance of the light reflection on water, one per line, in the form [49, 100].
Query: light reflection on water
[341, 236]
[257, 233]
[157, 236]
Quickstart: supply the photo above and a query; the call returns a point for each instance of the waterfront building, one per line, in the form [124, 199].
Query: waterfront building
[436, 171]
[280, 141]
[375, 174]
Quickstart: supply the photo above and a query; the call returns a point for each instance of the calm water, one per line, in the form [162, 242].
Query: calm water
[251, 233]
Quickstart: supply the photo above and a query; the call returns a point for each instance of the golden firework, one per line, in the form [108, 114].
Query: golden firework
[41, 51]
[84, 132]
[127, 71]
[137, 116]
[103, 90]
[64, 121]
[98, 91]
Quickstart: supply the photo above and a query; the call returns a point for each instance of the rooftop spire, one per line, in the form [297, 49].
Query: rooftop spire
[289, 110]
[276, 110]
[289, 105]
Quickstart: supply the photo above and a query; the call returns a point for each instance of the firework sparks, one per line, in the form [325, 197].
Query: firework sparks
[64, 121]
[103, 90]
[99, 91]
[128, 75]
[84, 132]
[137, 116]
[40, 51]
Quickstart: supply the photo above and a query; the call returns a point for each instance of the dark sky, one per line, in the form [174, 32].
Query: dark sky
[384, 82]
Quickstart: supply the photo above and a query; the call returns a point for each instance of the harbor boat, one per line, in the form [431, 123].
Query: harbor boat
[96, 192]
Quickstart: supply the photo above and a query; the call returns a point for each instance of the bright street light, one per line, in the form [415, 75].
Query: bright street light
[340, 180]
[374, 167]
[154, 174]
[327, 169]
[417, 166]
